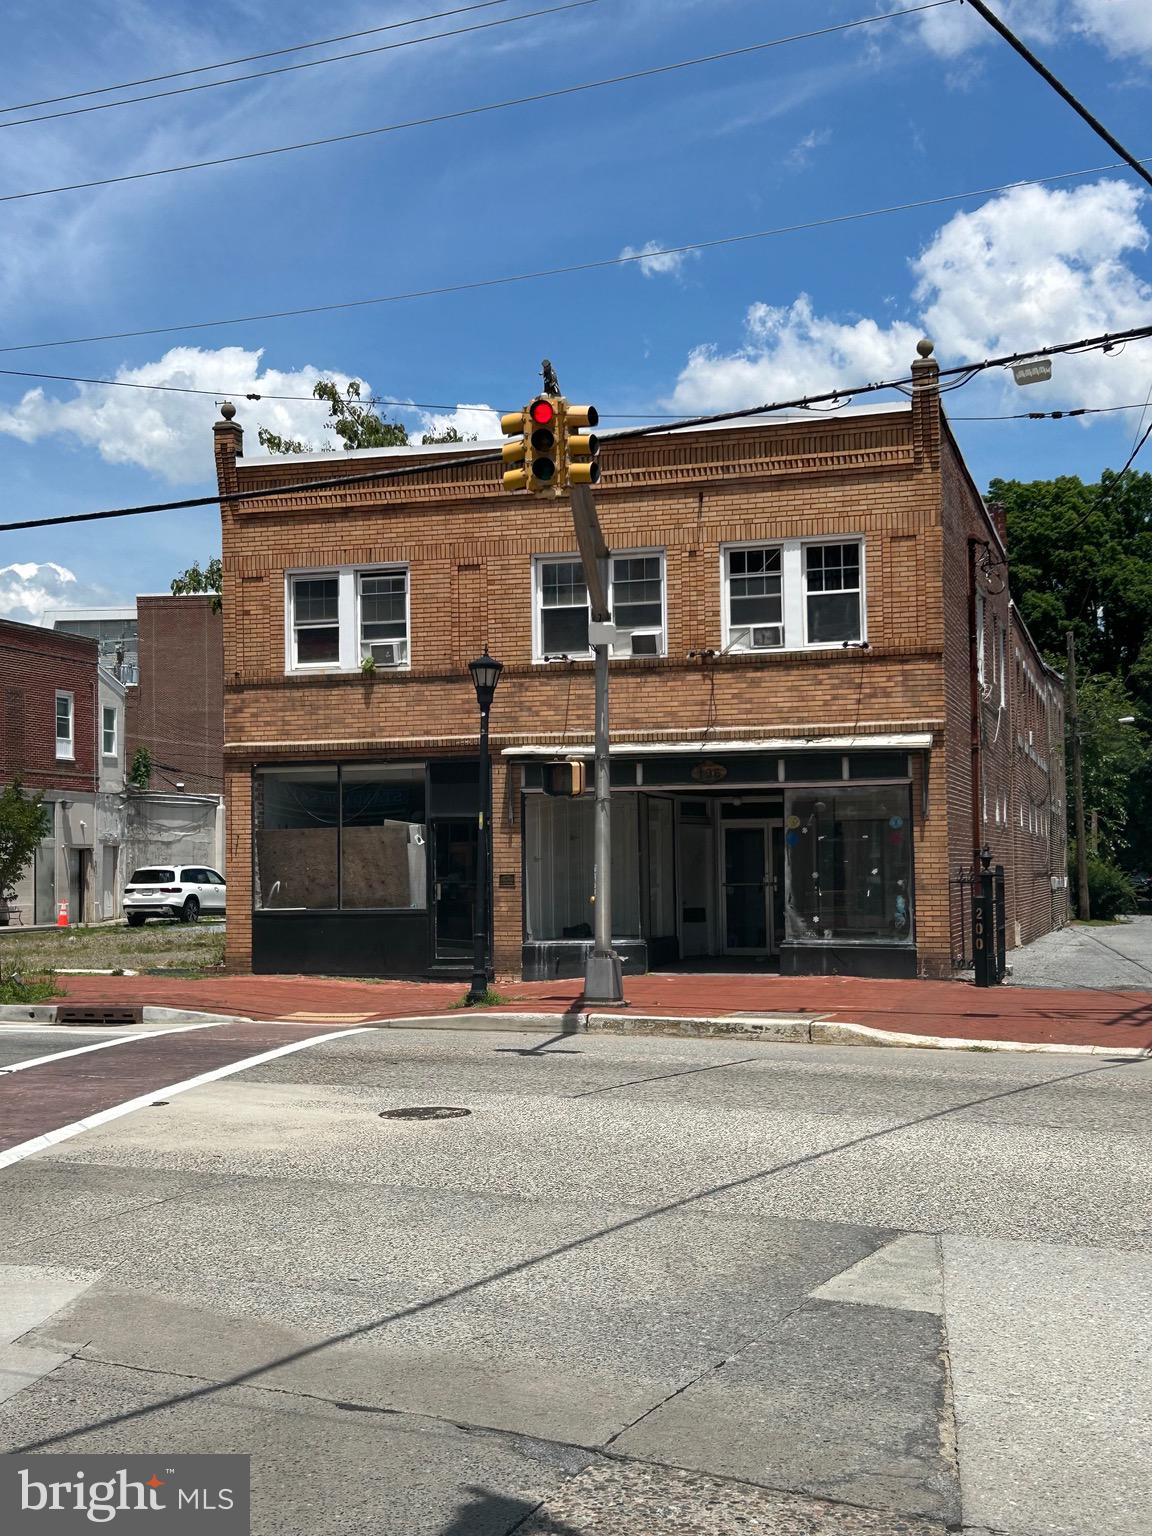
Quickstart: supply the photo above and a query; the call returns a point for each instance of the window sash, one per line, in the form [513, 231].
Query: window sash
[636, 598]
[795, 594]
[108, 729]
[383, 603]
[65, 717]
[315, 604]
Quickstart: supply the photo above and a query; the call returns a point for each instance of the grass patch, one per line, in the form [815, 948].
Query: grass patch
[114, 947]
[491, 999]
[28, 989]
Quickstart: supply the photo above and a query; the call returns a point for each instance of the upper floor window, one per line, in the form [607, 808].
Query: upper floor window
[793, 594]
[636, 599]
[65, 726]
[335, 620]
[108, 731]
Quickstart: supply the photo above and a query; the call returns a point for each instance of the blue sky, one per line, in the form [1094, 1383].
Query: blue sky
[910, 108]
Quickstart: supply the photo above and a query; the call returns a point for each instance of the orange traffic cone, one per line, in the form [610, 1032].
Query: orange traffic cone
[62, 915]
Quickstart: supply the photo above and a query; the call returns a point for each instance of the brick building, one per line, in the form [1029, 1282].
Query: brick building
[62, 733]
[823, 703]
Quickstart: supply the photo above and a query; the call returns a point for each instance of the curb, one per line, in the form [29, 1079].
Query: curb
[816, 1029]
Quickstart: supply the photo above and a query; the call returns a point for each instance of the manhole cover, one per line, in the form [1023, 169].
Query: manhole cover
[425, 1112]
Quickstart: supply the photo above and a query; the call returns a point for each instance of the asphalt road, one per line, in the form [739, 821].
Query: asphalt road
[643, 1286]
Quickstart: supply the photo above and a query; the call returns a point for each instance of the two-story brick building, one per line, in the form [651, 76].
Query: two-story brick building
[823, 703]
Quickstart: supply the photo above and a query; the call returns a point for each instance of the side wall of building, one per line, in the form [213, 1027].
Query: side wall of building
[177, 711]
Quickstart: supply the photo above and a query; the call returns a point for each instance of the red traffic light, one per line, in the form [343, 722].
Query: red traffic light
[542, 412]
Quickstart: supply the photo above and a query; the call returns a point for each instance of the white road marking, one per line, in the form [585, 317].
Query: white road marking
[102, 1045]
[50, 1138]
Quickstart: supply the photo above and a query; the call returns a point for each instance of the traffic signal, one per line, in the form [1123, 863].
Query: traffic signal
[515, 453]
[582, 448]
[568, 778]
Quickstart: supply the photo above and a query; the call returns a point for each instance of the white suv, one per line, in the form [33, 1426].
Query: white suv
[181, 890]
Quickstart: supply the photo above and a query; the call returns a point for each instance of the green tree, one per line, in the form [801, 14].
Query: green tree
[210, 579]
[352, 419]
[1080, 559]
[24, 822]
[140, 773]
[449, 435]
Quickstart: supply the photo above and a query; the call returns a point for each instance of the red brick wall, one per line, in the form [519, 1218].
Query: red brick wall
[177, 711]
[34, 663]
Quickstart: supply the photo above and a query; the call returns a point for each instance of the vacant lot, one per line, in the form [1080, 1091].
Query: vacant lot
[158, 945]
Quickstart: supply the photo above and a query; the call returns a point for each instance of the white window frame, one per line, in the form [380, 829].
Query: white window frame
[105, 711]
[540, 561]
[347, 579]
[69, 755]
[794, 595]
[384, 570]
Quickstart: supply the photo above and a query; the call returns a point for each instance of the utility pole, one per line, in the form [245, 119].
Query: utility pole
[1083, 903]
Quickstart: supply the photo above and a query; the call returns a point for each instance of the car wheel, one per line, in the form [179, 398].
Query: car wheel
[135, 919]
[190, 911]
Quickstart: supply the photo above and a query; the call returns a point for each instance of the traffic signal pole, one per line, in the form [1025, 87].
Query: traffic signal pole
[603, 977]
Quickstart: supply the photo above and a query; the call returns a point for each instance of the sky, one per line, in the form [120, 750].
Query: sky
[920, 106]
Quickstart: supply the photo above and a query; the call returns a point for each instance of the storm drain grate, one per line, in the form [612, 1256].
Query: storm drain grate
[425, 1112]
[98, 1015]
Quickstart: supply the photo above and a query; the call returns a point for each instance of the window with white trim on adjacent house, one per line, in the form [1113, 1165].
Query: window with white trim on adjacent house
[65, 725]
[108, 731]
[793, 594]
[635, 598]
[979, 637]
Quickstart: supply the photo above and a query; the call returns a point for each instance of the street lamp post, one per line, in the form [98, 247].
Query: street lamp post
[485, 676]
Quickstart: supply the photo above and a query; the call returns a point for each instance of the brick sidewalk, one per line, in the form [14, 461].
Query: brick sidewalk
[950, 1008]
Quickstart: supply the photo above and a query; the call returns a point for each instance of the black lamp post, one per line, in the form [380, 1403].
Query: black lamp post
[485, 676]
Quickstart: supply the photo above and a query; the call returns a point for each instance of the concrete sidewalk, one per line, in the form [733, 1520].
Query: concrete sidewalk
[947, 1009]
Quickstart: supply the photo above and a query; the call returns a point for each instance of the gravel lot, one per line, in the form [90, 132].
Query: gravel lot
[1104, 956]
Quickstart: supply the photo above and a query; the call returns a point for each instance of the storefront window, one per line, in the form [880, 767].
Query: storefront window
[558, 862]
[848, 859]
[383, 860]
[297, 816]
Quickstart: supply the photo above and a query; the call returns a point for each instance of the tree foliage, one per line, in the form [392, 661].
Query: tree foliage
[140, 773]
[24, 822]
[193, 580]
[1081, 559]
[351, 418]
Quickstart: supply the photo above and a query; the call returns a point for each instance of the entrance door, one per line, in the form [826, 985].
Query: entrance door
[454, 889]
[747, 888]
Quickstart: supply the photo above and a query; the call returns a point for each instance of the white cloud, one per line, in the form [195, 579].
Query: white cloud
[171, 434]
[478, 421]
[654, 261]
[27, 589]
[801, 152]
[1123, 28]
[1029, 268]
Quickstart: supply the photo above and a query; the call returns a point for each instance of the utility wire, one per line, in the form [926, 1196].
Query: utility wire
[1061, 90]
[468, 112]
[600, 264]
[629, 434]
[1131, 459]
[287, 69]
[447, 405]
[250, 58]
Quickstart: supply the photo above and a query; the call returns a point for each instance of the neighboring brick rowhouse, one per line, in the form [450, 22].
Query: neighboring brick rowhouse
[892, 477]
[177, 711]
[34, 664]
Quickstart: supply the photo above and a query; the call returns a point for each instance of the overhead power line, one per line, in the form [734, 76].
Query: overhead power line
[599, 264]
[1131, 459]
[628, 434]
[250, 58]
[458, 405]
[287, 69]
[1060, 88]
[468, 112]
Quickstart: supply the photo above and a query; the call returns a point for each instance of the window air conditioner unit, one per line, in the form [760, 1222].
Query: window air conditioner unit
[765, 636]
[645, 645]
[389, 653]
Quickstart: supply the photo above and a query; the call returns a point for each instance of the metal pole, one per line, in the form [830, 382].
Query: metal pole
[1083, 901]
[479, 984]
[603, 978]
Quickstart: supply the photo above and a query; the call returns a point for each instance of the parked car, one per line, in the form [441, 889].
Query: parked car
[182, 891]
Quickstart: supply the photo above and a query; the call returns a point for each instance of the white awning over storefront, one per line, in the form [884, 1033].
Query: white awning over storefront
[910, 741]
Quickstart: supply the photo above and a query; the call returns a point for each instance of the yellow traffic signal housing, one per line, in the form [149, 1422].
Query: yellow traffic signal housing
[582, 447]
[513, 424]
[535, 456]
[567, 779]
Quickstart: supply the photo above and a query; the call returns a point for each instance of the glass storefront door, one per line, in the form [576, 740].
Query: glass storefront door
[746, 888]
[454, 844]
